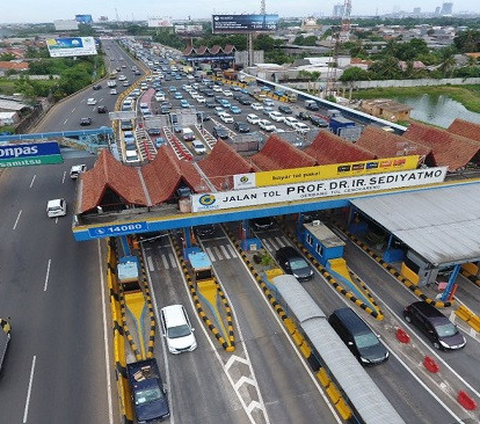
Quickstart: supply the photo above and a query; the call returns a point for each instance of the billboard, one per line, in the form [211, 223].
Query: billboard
[228, 24]
[188, 29]
[337, 170]
[84, 19]
[72, 46]
[65, 25]
[15, 155]
[159, 23]
[315, 189]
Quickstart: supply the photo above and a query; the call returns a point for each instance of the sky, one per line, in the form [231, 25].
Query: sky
[13, 11]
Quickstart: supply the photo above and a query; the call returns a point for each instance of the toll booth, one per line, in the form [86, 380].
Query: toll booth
[200, 264]
[321, 242]
[128, 273]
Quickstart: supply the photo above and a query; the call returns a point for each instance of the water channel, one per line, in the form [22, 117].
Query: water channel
[438, 110]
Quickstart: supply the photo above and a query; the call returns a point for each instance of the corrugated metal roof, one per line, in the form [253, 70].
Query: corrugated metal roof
[324, 234]
[442, 225]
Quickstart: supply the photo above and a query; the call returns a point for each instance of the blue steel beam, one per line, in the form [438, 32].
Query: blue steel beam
[48, 135]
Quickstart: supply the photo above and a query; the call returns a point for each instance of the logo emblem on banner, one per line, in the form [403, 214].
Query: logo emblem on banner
[207, 200]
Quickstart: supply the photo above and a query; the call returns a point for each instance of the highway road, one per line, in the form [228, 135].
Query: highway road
[52, 288]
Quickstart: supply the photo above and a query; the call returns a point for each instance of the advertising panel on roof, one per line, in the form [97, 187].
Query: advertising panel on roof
[229, 24]
[315, 189]
[338, 170]
[72, 46]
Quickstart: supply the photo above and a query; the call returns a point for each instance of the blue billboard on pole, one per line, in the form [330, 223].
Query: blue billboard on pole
[71, 46]
[228, 24]
[15, 155]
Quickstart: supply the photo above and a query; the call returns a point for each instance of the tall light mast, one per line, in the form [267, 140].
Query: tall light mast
[345, 28]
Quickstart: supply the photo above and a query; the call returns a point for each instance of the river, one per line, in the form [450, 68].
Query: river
[438, 110]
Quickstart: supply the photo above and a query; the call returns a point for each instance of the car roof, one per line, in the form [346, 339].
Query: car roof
[351, 319]
[174, 315]
[288, 251]
[427, 309]
[55, 202]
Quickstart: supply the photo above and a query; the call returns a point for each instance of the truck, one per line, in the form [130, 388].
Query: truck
[339, 122]
[149, 396]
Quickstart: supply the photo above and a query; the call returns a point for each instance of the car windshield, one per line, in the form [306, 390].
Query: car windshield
[55, 208]
[298, 263]
[446, 330]
[178, 331]
[143, 397]
[366, 340]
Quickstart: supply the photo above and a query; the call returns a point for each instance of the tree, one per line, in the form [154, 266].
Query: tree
[448, 65]
[387, 68]
[7, 57]
[468, 41]
[355, 74]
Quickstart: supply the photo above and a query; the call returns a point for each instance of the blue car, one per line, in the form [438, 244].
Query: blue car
[244, 91]
[224, 103]
[172, 89]
[178, 77]
[178, 96]
[235, 110]
[184, 103]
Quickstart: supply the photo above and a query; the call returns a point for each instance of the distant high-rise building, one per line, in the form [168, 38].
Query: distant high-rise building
[437, 10]
[447, 8]
[417, 10]
[338, 10]
[103, 18]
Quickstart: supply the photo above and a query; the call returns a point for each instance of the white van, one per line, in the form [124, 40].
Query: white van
[131, 155]
[198, 147]
[188, 134]
[177, 329]
[56, 207]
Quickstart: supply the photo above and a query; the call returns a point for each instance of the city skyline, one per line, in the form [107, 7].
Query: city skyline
[23, 11]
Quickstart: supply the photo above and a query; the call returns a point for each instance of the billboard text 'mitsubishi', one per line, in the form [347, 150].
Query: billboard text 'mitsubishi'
[243, 23]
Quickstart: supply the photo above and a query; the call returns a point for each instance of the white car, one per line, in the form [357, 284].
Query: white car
[253, 119]
[218, 110]
[159, 97]
[91, 101]
[217, 89]
[56, 207]
[76, 170]
[201, 99]
[227, 93]
[113, 91]
[193, 93]
[122, 78]
[301, 128]
[226, 117]
[276, 116]
[290, 121]
[177, 330]
[256, 106]
[266, 125]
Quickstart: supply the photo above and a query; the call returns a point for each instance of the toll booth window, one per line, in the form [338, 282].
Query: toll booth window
[319, 249]
[309, 239]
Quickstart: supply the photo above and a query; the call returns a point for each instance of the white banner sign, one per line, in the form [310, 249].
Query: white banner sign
[315, 189]
[241, 181]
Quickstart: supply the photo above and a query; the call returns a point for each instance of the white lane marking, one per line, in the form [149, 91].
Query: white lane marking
[56, 220]
[150, 263]
[33, 180]
[165, 262]
[63, 177]
[225, 253]
[254, 404]
[210, 254]
[233, 359]
[73, 110]
[64, 122]
[29, 391]
[106, 333]
[16, 221]
[101, 100]
[243, 380]
[172, 260]
[281, 241]
[48, 275]
[232, 251]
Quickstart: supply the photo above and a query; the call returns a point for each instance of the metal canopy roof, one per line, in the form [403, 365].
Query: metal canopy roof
[442, 225]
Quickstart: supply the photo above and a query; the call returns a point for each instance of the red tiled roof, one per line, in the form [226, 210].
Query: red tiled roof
[165, 173]
[229, 48]
[465, 129]
[448, 149]
[108, 173]
[384, 144]
[188, 50]
[279, 154]
[329, 148]
[215, 49]
[18, 66]
[222, 163]
[201, 50]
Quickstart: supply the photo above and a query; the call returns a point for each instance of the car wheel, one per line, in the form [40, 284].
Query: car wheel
[407, 318]
[436, 345]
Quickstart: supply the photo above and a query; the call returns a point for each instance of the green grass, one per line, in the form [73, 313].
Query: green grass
[467, 95]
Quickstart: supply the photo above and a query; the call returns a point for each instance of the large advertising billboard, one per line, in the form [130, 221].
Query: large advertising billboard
[315, 189]
[72, 46]
[313, 173]
[84, 19]
[228, 24]
[159, 23]
[15, 155]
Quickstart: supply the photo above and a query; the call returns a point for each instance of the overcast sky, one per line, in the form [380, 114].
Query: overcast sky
[48, 10]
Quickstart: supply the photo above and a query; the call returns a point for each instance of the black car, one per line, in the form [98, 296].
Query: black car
[154, 131]
[97, 87]
[358, 337]
[85, 121]
[244, 100]
[264, 223]
[241, 127]
[436, 326]
[285, 109]
[318, 122]
[303, 116]
[206, 230]
[292, 262]
[220, 132]
[102, 109]
[210, 104]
